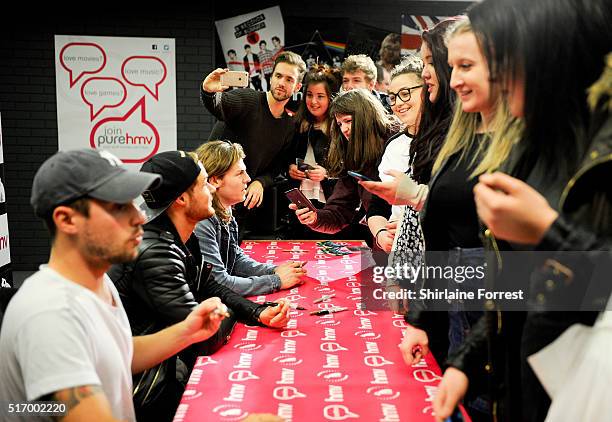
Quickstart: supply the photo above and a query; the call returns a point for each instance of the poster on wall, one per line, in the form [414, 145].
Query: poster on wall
[6, 277]
[250, 43]
[117, 94]
[412, 27]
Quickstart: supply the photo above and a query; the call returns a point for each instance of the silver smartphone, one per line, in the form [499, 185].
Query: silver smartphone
[235, 78]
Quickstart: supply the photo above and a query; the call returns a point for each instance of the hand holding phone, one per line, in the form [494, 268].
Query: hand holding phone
[302, 166]
[359, 176]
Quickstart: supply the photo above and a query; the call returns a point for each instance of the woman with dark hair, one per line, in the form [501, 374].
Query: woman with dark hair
[478, 141]
[556, 196]
[437, 102]
[436, 116]
[357, 139]
[434, 121]
[310, 144]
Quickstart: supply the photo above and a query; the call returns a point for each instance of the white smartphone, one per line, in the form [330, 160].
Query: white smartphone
[235, 78]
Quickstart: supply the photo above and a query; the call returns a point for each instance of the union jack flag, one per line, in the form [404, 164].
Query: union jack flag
[412, 27]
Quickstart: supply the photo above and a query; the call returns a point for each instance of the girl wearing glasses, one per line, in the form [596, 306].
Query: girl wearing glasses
[436, 115]
[433, 123]
[404, 97]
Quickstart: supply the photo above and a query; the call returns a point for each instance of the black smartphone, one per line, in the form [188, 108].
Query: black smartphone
[359, 176]
[302, 166]
[297, 197]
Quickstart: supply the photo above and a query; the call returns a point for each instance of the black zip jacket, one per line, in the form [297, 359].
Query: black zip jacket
[166, 281]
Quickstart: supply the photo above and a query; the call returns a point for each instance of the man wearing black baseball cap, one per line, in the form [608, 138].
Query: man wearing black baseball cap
[66, 336]
[169, 278]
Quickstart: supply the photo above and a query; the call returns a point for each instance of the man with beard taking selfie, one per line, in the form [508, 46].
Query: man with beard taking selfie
[256, 120]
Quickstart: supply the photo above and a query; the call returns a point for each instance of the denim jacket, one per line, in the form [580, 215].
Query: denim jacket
[231, 266]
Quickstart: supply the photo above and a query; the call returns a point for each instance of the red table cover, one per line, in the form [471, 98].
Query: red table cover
[342, 366]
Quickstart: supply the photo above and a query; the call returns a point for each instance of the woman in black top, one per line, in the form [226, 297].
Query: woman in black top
[473, 146]
[557, 198]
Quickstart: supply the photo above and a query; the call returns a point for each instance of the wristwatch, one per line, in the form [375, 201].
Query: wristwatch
[376, 236]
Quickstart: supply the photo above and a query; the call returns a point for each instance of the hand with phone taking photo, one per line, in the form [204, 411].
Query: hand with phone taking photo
[212, 82]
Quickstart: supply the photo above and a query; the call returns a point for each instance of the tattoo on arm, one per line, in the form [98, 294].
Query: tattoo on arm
[73, 396]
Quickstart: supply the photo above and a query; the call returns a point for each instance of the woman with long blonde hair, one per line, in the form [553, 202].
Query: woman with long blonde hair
[479, 140]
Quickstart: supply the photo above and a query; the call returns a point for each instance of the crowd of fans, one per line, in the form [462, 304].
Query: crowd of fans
[495, 137]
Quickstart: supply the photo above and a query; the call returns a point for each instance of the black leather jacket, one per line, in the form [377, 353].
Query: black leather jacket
[496, 349]
[168, 279]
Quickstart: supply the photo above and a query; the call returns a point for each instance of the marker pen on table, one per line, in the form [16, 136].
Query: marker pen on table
[328, 311]
[291, 305]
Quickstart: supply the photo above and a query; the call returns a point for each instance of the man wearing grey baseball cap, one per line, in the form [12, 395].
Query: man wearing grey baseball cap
[65, 336]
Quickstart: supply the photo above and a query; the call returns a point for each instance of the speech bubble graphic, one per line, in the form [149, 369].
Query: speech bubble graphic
[242, 375]
[426, 375]
[82, 58]
[327, 322]
[146, 71]
[204, 360]
[292, 333]
[287, 393]
[337, 412]
[400, 323]
[100, 93]
[376, 361]
[367, 334]
[331, 347]
[191, 394]
[294, 297]
[247, 346]
[132, 137]
[360, 312]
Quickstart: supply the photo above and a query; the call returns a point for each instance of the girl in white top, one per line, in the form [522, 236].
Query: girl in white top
[404, 97]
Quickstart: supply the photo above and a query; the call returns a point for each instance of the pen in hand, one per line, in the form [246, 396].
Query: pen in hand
[222, 310]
